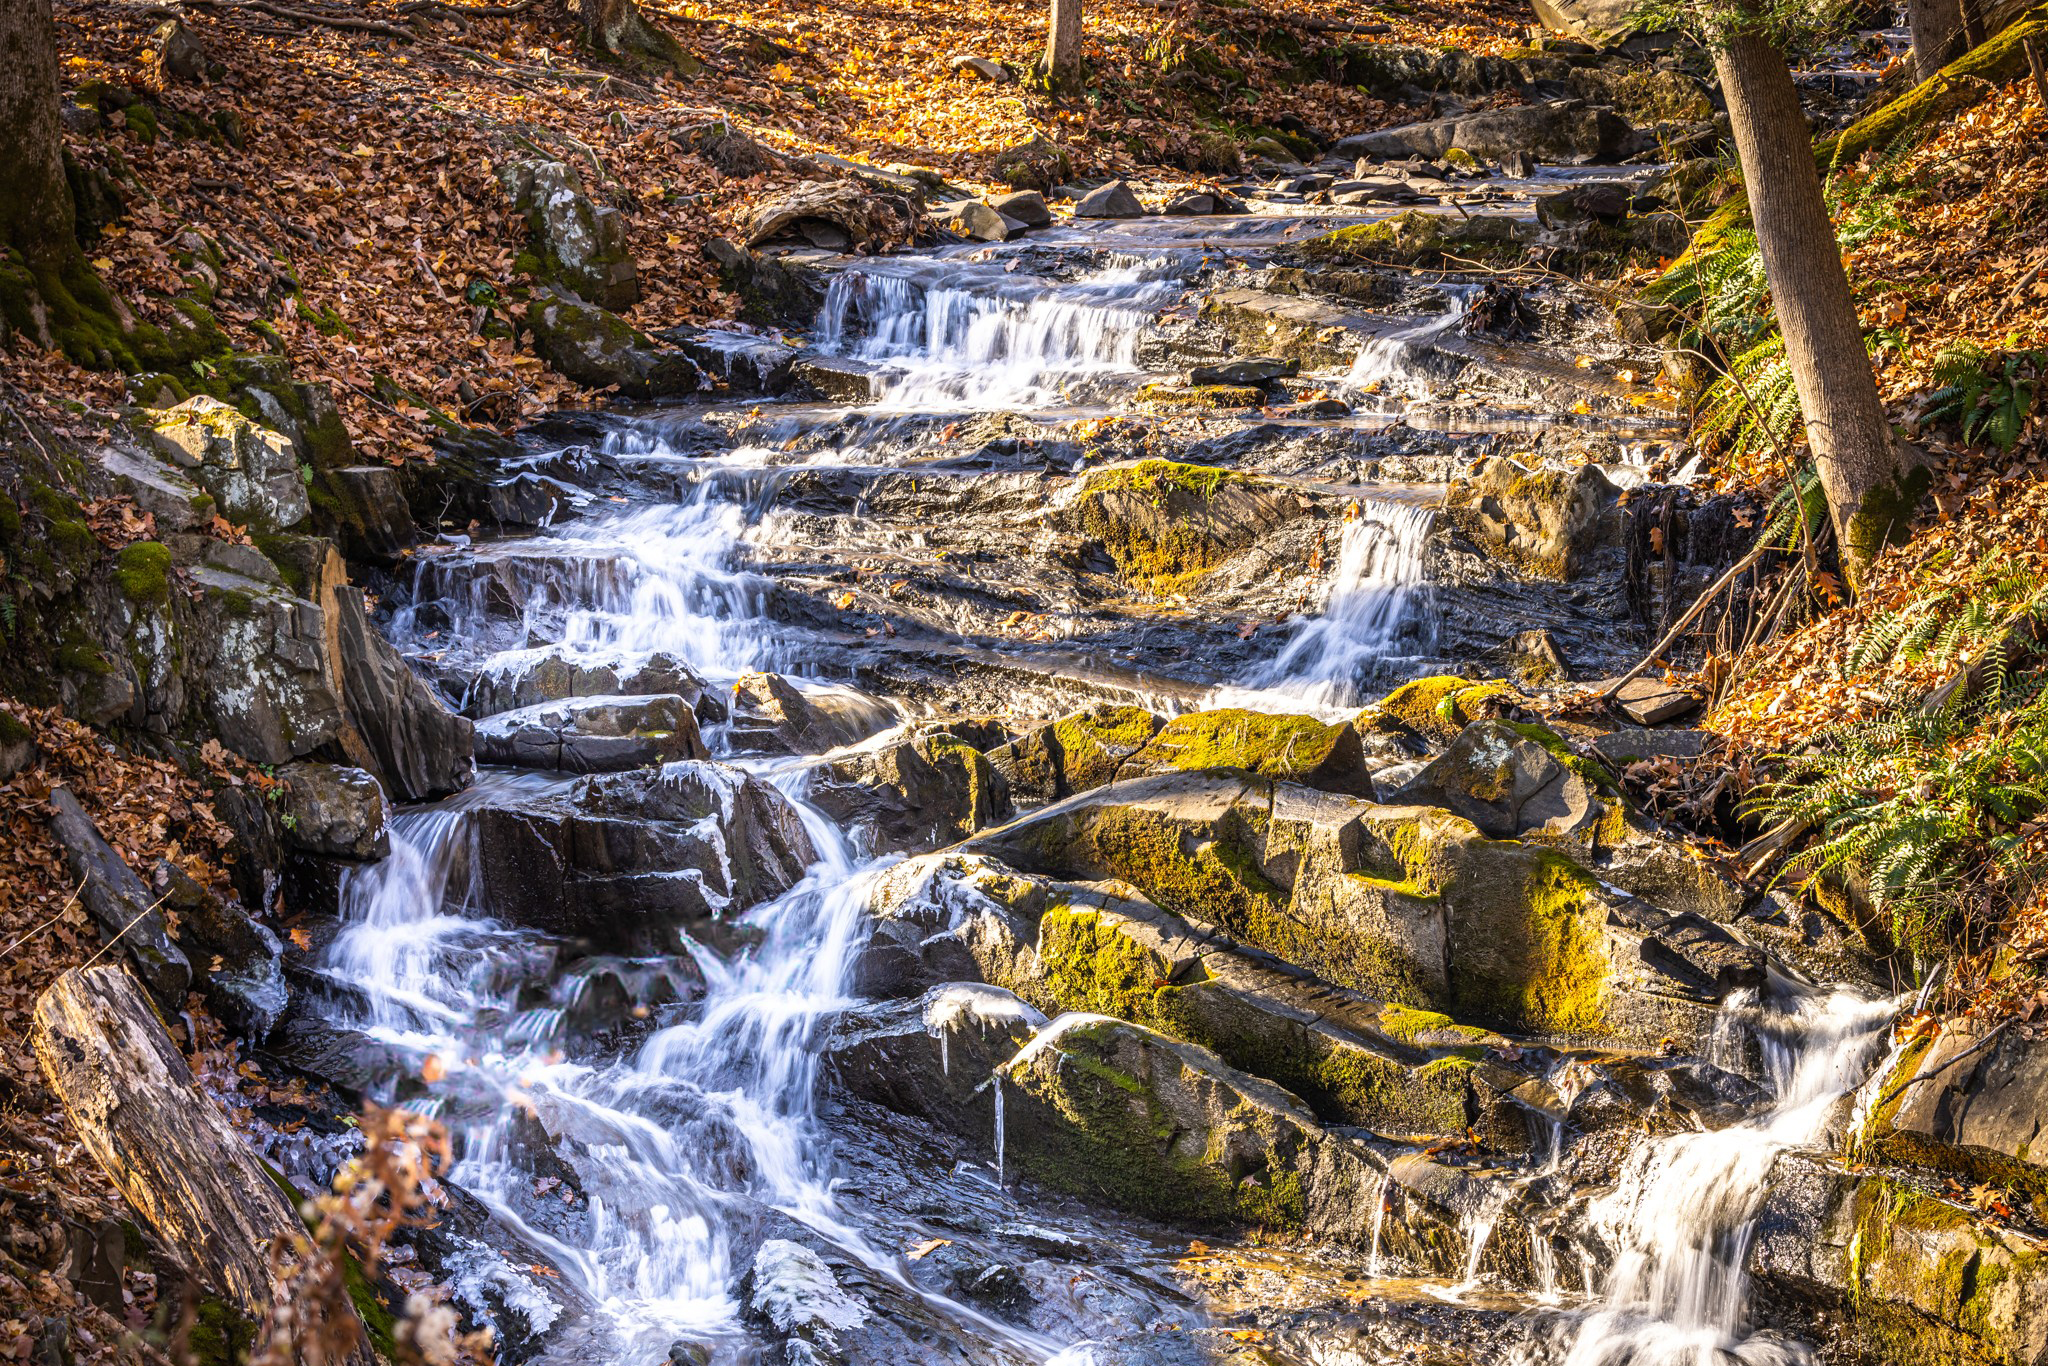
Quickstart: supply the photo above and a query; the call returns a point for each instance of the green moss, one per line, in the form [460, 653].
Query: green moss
[324, 320]
[1592, 770]
[280, 550]
[1170, 546]
[12, 730]
[1266, 745]
[1431, 1029]
[1162, 477]
[78, 655]
[1211, 397]
[1416, 238]
[142, 122]
[143, 570]
[221, 1335]
[1090, 746]
[1437, 708]
[1545, 974]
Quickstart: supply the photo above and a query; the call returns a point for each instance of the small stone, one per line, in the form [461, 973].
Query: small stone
[1260, 370]
[1113, 200]
[1517, 165]
[1189, 205]
[992, 71]
[1649, 702]
[973, 219]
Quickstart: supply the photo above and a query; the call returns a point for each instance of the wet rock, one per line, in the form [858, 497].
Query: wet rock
[791, 1291]
[251, 471]
[838, 215]
[914, 795]
[975, 220]
[836, 378]
[372, 520]
[1260, 371]
[770, 292]
[598, 348]
[932, 1056]
[593, 734]
[1562, 130]
[1158, 397]
[553, 676]
[621, 861]
[1073, 754]
[1505, 781]
[1437, 709]
[118, 902]
[1970, 1103]
[1297, 748]
[1113, 200]
[333, 811]
[1025, 206]
[579, 244]
[1650, 702]
[237, 961]
[747, 362]
[771, 713]
[1552, 522]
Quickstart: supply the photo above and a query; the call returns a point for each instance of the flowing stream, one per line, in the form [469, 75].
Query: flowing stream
[695, 1139]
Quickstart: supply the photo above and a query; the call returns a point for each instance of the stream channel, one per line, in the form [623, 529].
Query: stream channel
[676, 1139]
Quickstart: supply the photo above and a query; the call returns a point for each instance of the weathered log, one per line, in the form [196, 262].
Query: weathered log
[165, 1144]
[120, 904]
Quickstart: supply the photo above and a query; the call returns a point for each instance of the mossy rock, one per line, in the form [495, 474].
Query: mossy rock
[143, 570]
[1166, 524]
[1532, 956]
[1296, 748]
[1419, 238]
[1437, 708]
[1164, 397]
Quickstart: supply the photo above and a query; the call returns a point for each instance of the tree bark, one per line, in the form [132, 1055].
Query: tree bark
[1870, 489]
[35, 198]
[617, 28]
[1063, 42]
[1938, 35]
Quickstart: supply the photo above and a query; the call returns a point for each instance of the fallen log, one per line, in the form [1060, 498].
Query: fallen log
[166, 1145]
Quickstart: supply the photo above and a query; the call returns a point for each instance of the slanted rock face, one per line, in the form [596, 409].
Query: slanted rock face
[599, 348]
[554, 677]
[932, 1056]
[1965, 1102]
[578, 243]
[259, 661]
[251, 471]
[1562, 130]
[770, 712]
[1166, 524]
[914, 795]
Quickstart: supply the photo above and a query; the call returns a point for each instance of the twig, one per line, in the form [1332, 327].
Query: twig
[1699, 605]
[137, 920]
[69, 902]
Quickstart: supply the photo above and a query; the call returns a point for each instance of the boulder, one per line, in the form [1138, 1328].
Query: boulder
[1653, 702]
[372, 520]
[552, 675]
[931, 1056]
[1113, 200]
[1417, 237]
[1438, 708]
[771, 713]
[178, 56]
[1601, 201]
[598, 348]
[1037, 163]
[593, 734]
[236, 960]
[1553, 522]
[1259, 370]
[835, 215]
[251, 471]
[838, 379]
[1025, 206]
[120, 905]
[159, 488]
[1561, 130]
[621, 862]
[1074, 753]
[1188, 204]
[333, 812]
[1508, 782]
[579, 244]
[974, 220]
[771, 292]
[1411, 905]
[258, 658]
[914, 795]
[1297, 748]
[1964, 1101]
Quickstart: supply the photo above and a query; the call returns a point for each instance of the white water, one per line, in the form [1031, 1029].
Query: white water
[1389, 366]
[1379, 1223]
[1378, 593]
[1682, 1218]
[994, 340]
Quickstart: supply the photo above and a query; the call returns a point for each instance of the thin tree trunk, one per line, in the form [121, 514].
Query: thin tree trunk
[1063, 42]
[35, 199]
[1938, 37]
[1870, 490]
[617, 28]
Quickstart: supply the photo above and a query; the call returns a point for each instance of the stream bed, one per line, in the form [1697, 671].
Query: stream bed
[697, 1122]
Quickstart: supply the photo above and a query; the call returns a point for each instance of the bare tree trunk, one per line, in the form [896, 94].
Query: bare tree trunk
[1938, 37]
[1870, 489]
[1063, 43]
[35, 199]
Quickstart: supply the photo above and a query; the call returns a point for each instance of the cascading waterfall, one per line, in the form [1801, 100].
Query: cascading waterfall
[1388, 365]
[1682, 1218]
[1376, 596]
[992, 338]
